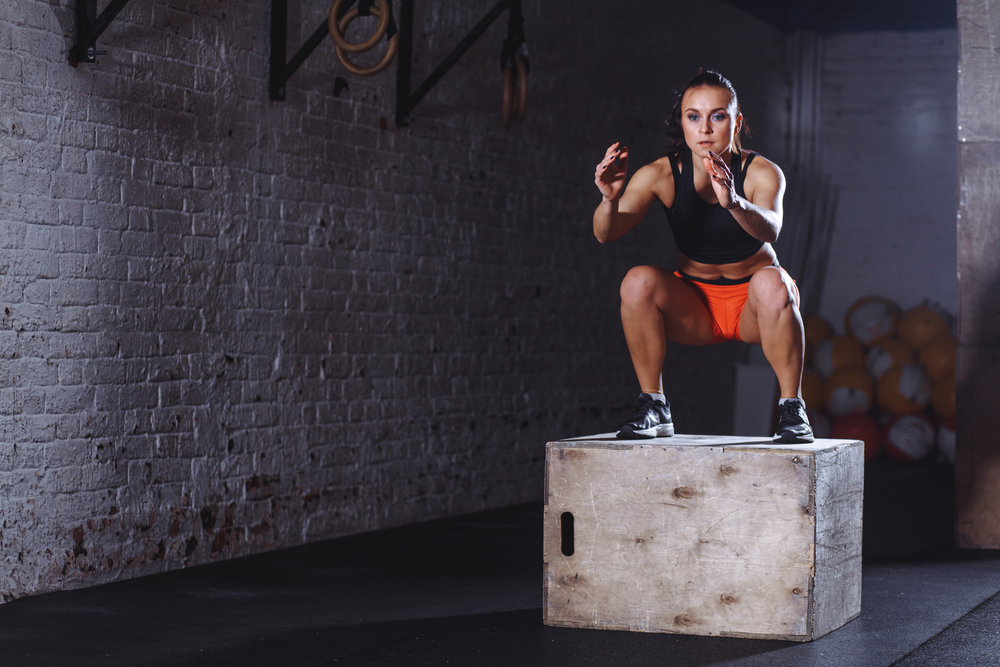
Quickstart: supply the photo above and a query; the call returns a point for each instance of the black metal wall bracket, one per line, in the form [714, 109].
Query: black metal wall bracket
[406, 100]
[282, 71]
[90, 26]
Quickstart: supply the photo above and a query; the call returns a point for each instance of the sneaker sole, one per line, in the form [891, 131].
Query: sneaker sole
[789, 438]
[634, 435]
[660, 431]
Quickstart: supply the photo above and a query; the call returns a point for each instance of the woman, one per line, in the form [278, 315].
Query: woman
[724, 207]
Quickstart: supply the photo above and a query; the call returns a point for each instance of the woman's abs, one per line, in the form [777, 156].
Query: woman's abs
[735, 271]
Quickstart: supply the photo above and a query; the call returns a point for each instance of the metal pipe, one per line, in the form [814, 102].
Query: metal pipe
[404, 63]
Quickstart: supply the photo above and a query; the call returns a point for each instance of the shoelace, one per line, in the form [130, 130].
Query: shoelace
[788, 410]
[640, 409]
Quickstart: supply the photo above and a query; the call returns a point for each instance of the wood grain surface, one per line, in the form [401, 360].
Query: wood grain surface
[839, 496]
[698, 538]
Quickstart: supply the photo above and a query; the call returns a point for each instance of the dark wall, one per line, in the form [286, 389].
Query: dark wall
[887, 136]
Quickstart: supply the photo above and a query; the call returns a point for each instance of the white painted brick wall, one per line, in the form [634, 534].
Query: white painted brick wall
[229, 324]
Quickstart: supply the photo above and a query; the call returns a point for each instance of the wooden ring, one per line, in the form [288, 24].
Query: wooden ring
[390, 52]
[507, 105]
[337, 30]
[522, 90]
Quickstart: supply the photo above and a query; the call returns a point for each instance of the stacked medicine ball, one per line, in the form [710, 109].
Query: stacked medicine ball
[889, 380]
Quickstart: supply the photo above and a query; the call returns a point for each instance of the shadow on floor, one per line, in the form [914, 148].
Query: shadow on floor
[502, 639]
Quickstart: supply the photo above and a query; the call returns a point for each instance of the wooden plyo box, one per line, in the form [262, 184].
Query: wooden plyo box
[703, 535]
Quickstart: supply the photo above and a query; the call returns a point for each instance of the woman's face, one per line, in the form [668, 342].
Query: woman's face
[709, 119]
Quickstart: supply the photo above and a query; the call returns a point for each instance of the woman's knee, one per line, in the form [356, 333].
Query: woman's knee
[772, 289]
[639, 285]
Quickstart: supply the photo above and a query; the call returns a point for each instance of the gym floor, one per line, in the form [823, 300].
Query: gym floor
[467, 591]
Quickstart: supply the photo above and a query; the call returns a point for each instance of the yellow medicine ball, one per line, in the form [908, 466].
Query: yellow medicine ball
[835, 353]
[903, 389]
[884, 355]
[817, 329]
[938, 357]
[943, 398]
[849, 391]
[871, 319]
[920, 325]
[812, 390]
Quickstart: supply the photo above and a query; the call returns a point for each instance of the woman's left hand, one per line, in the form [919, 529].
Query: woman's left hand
[722, 180]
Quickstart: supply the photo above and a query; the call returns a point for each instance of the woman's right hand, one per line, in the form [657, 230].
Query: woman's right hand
[611, 172]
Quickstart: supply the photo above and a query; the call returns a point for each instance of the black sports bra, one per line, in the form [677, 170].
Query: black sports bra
[708, 233]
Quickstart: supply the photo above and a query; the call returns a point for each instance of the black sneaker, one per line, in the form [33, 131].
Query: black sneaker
[793, 423]
[650, 419]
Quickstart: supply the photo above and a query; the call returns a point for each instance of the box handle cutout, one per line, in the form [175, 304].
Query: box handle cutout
[566, 523]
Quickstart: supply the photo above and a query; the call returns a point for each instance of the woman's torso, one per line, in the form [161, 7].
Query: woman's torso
[712, 243]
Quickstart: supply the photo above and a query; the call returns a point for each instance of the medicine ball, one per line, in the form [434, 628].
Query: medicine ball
[920, 325]
[909, 438]
[943, 397]
[861, 427]
[938, 356]
[884, 355]
[871, 319]
[816, 329]
[903, 389]
[836, 353]
[812, 390]
[849, 390]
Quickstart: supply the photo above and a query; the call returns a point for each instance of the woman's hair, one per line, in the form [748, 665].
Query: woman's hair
[675, 133]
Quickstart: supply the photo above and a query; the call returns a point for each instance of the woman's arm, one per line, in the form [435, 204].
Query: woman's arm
[620, 211]
[759, 213]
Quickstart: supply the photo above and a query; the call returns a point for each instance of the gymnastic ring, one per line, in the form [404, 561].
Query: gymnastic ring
[507, 106]
[338, 29]
[522, 90]
[390, 52]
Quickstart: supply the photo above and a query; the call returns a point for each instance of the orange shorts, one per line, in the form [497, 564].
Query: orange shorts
[725, 305]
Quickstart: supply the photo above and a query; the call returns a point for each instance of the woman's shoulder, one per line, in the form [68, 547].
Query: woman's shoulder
[664, 178]
[656, 173]
[655, 179]
[664, 168]
[762, 176]
[760, 166]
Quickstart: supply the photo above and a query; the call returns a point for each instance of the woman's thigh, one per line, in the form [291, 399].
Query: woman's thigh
[686, 318]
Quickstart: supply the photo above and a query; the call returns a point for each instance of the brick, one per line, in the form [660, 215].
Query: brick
[37, 427]
[74, 292]
[38, 292]
[75, 399]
